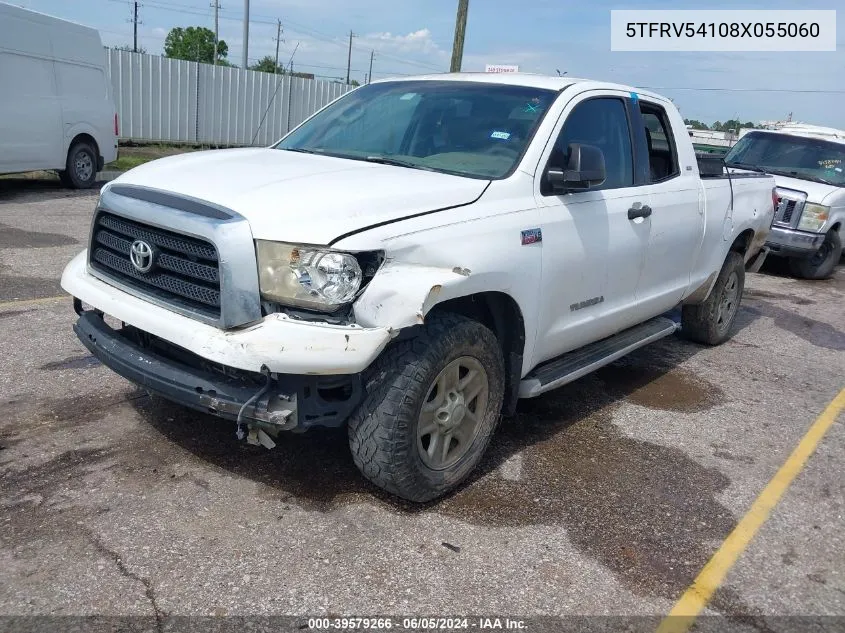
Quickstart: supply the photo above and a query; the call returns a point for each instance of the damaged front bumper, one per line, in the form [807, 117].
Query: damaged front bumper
[284, 402]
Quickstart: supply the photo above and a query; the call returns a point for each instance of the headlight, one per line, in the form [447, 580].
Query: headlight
[813, 217]
[305, 276]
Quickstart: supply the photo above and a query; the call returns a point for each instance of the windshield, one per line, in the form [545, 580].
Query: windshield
[808, 158]
[465, 128]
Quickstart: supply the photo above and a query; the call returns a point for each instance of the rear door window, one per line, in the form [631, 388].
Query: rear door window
[662, 153]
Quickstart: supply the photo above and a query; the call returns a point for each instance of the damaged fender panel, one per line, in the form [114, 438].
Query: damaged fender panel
[402, 294]
[282, 344]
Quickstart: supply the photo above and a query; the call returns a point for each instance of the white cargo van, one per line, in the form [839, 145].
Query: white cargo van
[56, 110]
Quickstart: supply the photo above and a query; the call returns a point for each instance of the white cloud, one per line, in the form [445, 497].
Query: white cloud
[419, 41]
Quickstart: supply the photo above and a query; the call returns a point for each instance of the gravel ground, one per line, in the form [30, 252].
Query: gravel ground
[605, 497]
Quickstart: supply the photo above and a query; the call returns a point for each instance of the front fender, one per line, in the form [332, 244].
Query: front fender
[401, 294]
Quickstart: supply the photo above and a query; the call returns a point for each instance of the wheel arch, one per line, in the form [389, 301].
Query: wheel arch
[500, 313]
[85, 137]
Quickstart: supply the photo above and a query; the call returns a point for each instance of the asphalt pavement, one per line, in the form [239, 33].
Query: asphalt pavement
[606, 497]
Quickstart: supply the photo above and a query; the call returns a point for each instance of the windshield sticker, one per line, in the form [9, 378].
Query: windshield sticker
[533, 106]
[502, 135]
[408, 96]
[829, 163]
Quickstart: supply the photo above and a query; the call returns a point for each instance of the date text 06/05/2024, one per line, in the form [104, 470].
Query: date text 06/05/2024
[415, 623]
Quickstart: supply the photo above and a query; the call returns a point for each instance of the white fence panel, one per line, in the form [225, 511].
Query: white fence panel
[171, 100]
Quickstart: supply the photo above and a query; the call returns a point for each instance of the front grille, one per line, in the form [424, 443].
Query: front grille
[788, 210]
[185, 269]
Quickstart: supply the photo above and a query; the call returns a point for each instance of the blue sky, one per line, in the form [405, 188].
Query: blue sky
[413, 36]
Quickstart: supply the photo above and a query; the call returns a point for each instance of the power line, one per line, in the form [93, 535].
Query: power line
[318, 35]
[790, 90]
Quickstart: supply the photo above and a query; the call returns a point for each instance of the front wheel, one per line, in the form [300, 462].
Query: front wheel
[823, 261]
[711, 322]
[431, 407]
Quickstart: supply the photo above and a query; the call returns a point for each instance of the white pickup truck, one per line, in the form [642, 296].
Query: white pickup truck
[413, 259]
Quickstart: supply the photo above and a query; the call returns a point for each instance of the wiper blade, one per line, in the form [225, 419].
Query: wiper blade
[302, 150]
[746, 166]
[396, 162]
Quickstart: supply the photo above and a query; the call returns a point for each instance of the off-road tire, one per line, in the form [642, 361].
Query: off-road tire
[700, 322]
[383, 430]
[822, 264]
[73, 177]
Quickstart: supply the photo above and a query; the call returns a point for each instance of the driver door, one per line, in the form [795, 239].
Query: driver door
[593, 254]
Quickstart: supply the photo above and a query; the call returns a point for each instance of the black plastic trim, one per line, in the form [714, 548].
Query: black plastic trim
[179, 377]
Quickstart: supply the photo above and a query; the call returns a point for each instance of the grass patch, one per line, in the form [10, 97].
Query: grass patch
[126, 162]
[129, 156]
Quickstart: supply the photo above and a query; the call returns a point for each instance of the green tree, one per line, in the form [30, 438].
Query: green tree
[696, 124]
[354, 83]
[268, 65]
[196, 44]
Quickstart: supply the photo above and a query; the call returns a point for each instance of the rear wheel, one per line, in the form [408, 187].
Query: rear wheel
[711, 322]
[81, 168]
[823, 262]
[431, 408]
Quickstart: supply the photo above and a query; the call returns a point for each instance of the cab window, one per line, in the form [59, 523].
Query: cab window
[601, 122]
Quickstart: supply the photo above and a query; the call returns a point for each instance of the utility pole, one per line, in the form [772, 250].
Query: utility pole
[370, 75]
[460, 32]
[349, 57]
[135, 30]
[278, 39]
[245, 58]
[216, 5]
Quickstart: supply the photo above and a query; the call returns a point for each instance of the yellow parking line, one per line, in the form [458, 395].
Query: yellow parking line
[24, 303]
[696, 597]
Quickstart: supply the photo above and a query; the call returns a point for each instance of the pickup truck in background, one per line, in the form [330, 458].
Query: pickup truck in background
[413, 260]
[809, 224]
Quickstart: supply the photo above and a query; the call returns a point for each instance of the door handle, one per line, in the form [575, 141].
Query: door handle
[639, 212]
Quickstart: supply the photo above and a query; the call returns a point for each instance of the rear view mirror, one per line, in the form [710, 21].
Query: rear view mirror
[584, 169]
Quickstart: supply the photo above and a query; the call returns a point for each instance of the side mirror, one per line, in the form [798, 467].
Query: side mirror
[584, 169]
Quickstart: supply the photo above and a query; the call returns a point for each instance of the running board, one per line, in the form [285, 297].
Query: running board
[573, 365]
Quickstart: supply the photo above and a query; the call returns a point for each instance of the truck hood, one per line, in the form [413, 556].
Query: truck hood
[304, 198]
[816, 191]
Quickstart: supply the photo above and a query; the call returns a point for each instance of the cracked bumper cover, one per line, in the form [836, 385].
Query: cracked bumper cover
[189, 386]
[281, 344]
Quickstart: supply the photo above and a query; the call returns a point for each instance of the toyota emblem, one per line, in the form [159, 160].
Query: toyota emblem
[141, 256]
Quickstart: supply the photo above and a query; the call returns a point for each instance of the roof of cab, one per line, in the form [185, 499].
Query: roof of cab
[529, 80]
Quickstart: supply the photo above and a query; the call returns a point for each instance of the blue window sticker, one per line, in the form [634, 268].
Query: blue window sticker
[635, 97]
[502, 135]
